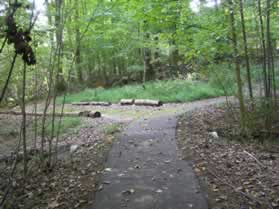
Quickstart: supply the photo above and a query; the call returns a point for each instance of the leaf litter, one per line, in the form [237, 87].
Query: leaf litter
[234, 174]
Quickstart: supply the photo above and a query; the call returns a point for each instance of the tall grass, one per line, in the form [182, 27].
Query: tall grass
[221, 81]
[166, 91]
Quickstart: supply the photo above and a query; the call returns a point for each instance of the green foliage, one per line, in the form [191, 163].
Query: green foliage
[10, 130]
[222, 76]
[112, 129]
[68, 124]
[166, 91]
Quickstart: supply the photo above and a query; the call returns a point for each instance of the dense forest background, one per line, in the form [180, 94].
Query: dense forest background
[81, 44]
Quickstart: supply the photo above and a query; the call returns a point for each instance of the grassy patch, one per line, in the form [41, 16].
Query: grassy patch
[10, 130]
[67, 125]
[166, 91]
[112, 129]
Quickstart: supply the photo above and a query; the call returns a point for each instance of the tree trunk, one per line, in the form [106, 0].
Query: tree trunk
[157, 61]
[174, 56]
[268, 50]
[237, 66]
[263, 46]
[274, 75]
[269, 107]
[148, 71]
[77, 40]
[60, 83]
[246, 50]
[50, 85]
[25, 158]
[216, 4]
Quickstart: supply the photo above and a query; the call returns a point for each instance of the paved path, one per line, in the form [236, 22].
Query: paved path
[144, 171]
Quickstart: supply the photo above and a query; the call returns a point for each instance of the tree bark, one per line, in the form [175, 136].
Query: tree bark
[174, 56]
[248, 69]
[216, 4]
[77, 40]
[263, 46]
[25, 158]
[268, 50]
[148, 71]
[60, 83]
[237, 65]
[8, 79]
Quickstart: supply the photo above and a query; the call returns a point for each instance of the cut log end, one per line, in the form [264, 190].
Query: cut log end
[90, 114]
[95, 115]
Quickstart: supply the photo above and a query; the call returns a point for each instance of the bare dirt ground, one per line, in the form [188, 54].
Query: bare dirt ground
[234, 174]
[73, 180]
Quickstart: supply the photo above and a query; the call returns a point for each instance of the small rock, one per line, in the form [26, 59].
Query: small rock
[128, 192]
[108, 169]
[137, 166]
[100, 188]
[53, 204]
[106, 182]
[73, 148]
[214, 134]
[30, 194]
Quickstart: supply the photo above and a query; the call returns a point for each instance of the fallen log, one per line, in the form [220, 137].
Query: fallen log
[74, 114]
[100, 103]
[91, 103]
[90, 114]
[127, 101]
[80, 103]
[148, 102]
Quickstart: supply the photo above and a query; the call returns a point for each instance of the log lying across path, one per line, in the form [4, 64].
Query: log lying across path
[89, 114]
[148, 102]
[127, 101]
[141, 102]
[91, 103]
